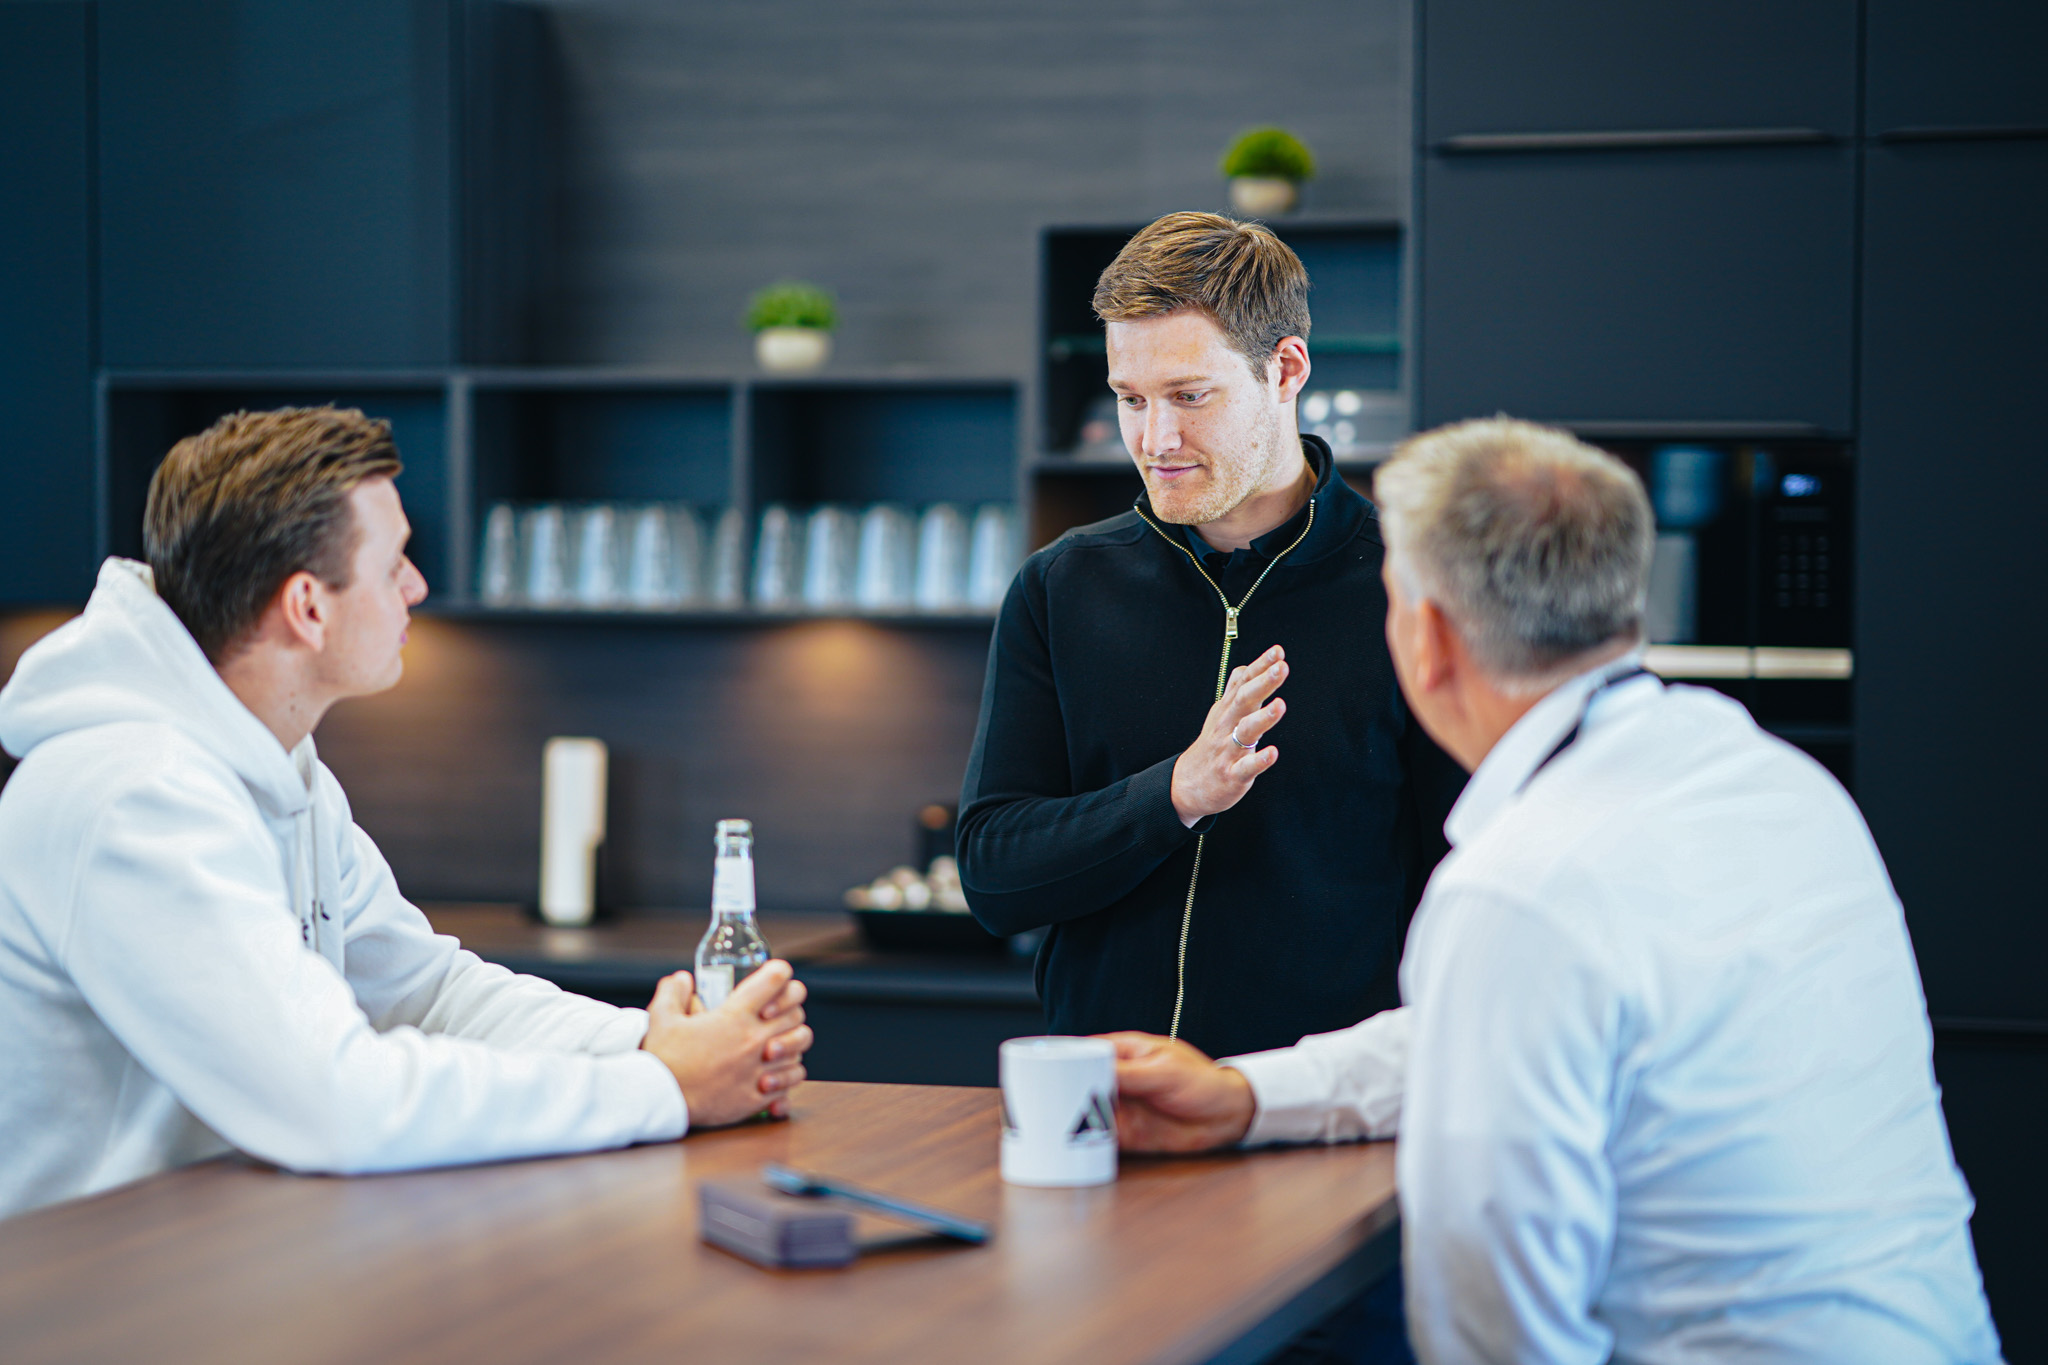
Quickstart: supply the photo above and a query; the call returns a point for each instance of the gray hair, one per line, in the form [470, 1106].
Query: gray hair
[1536, 545]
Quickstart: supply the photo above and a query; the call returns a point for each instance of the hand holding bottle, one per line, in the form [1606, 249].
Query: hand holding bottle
[729, 1059]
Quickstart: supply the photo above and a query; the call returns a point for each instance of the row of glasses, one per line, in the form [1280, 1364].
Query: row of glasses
[885, 558]
[666, 556]
[650, 556]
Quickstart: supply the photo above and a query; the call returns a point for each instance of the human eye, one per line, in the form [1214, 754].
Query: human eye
[1191, 396]
[1129, 400]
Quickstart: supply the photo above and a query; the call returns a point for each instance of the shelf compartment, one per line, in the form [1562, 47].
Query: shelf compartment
[144, 414]
[603, 443]
[913, 442]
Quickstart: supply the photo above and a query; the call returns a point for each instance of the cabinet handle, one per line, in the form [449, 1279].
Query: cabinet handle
[1693, 430]
[2016, 132]
[2015, 1032]
[1642, 140]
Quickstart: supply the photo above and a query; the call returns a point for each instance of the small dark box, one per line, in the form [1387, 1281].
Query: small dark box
[775, 1229]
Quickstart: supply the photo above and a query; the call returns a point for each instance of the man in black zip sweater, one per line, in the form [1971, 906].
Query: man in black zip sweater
[1128, 785]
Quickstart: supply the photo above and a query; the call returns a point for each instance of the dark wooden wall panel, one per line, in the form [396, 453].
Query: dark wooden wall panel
[827, 734]
[906, 153]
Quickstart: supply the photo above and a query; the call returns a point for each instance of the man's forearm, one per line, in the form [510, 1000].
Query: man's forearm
[1331, 1087]
[1029, 861]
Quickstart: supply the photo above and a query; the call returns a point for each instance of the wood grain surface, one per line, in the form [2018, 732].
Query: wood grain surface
[596, 1259]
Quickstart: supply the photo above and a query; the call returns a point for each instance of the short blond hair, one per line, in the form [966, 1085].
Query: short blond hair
[255, 498]
[1240, 274]
[1536, 545]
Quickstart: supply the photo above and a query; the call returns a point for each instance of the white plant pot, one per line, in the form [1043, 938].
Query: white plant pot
[792, 350]
[1263, 195]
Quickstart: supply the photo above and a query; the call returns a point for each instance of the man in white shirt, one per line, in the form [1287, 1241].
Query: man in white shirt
[199, 949]
[1663, 1074]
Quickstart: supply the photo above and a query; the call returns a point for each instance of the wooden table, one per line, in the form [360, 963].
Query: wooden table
[596, 1259]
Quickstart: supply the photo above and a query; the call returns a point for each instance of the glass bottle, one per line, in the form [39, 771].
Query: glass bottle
[733, 946]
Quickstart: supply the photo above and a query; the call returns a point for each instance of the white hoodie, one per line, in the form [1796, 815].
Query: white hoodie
[198, 948]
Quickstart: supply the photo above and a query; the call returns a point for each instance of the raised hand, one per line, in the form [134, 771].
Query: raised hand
[733, 1061]
[1171, 1098]
[1215, 772]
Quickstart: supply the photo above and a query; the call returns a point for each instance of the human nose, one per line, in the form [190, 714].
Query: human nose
[1162, 432]
[415, 584]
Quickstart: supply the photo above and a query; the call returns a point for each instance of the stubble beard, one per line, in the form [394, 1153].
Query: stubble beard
[1229, 485]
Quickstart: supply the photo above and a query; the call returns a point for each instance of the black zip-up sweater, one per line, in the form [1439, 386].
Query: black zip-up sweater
[1101, 671]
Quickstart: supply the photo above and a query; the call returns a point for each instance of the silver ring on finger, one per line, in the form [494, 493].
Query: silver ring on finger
[1240, 743]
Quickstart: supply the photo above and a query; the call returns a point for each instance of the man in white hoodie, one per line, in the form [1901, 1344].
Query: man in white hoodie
[200, 950]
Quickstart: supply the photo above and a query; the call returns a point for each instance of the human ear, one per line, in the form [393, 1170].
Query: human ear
[1435, 647]
[1288, 369]
[302, 609]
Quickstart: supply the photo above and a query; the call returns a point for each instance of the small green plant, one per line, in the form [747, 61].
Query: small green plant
[1269, 152]
[792, 303]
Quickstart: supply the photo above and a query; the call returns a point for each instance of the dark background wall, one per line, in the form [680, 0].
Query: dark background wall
[905, 153]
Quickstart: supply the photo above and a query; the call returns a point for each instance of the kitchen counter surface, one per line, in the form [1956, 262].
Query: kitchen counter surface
[918, 1018]
[632, 952]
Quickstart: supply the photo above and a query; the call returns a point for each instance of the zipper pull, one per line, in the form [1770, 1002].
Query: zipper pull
[1230, 623]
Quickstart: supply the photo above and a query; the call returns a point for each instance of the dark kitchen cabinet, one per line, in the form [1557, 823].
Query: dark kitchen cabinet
[1976, 66]
[1694, 285]
[326, 183]
[1955, 474]
[1619, 65]
[46, 515]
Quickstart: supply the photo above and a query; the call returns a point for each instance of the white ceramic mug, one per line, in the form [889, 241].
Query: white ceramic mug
[1059, 1116]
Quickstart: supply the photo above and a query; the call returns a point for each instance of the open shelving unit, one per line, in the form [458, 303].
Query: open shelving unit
[474, 437]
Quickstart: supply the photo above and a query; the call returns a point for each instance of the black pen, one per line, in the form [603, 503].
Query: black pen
[816, 1186]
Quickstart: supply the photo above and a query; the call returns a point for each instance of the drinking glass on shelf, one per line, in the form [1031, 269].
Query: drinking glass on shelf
[541, 545]
[991, 557]
[725, 573]
[597, 575]
[686, 555]
[650, 563]
[829, 549]
[885, 576]
[498, 578]
[777, 560]
[941, 558]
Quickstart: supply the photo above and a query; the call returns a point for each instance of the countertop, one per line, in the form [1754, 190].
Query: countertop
[628, 953]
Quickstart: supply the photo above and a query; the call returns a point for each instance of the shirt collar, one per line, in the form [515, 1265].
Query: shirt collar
[1499, 779]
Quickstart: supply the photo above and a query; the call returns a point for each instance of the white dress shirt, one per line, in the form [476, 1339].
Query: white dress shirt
[1663, 1079]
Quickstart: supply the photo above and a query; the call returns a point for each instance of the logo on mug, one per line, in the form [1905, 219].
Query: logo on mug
[1096, 1125]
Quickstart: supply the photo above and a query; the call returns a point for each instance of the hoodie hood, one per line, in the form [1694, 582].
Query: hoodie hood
[129, 658]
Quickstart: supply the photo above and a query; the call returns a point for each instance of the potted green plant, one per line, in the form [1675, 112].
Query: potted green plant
[792, 325]
[1266, 167]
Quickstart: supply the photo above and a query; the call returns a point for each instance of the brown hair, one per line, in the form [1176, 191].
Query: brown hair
[1240, 274]
[255, 498]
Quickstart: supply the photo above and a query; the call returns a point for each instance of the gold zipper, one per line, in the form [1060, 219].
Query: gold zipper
[1230, 615]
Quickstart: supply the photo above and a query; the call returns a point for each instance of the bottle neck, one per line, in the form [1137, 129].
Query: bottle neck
[732, 887]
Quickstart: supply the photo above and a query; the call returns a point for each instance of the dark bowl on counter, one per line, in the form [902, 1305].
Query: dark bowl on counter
[927, 931]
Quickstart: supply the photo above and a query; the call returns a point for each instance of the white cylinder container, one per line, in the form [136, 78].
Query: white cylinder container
[572, 818]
